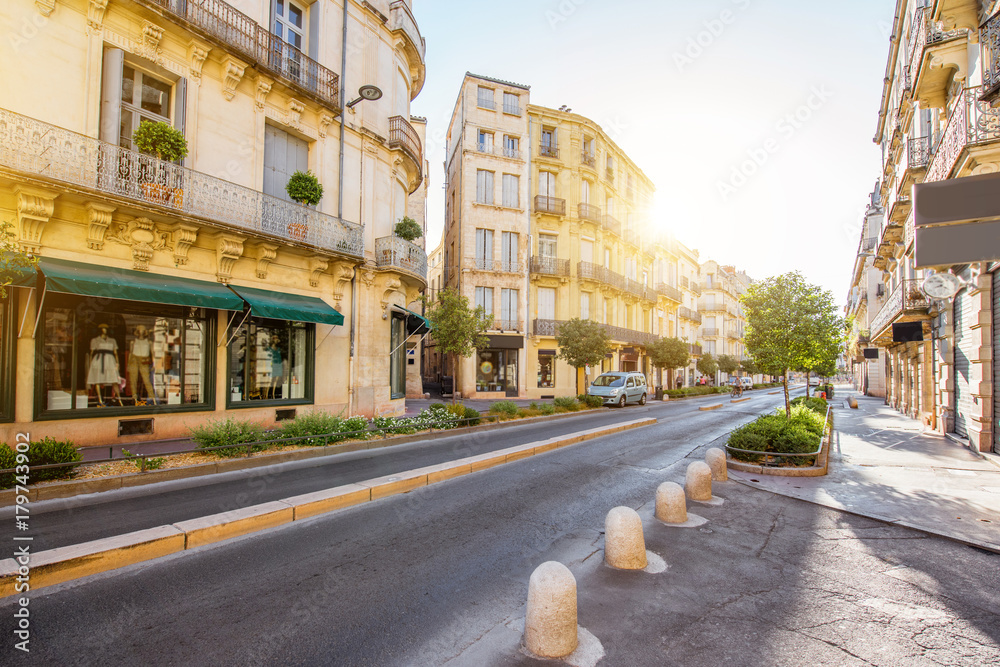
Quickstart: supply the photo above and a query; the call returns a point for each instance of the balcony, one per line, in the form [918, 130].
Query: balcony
[392, 252]
[906, 303]
[934, 54]
[689, 314]
[237, 32]
[588, 160]
[707, 332]
[733, 335]
[498, 265]
[695, 350]
[550, 266]
[404, 138]
[546, 150]
[973, 124]
[551, 205]
[615, 334]
[55, 154]
[401, 22]
[590, 213]
[609, 175]
[507, 325]
[868, 244]
[612, 224]
[706, 307]
[989, 44]
[670, 292]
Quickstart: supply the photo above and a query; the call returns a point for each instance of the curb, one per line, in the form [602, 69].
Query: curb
[741, 400]
[710, 407]
[62, 564]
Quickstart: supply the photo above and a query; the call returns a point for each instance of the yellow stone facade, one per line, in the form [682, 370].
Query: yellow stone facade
[77, 71]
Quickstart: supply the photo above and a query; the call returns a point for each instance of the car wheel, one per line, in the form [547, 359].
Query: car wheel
[621, 401]
[642, 400]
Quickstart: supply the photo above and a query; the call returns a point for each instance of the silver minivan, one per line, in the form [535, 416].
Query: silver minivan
[619, 388]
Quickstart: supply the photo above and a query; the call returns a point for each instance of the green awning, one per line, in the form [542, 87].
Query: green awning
[414, 323]
[103, 281]
[19, 276]
[284, 306]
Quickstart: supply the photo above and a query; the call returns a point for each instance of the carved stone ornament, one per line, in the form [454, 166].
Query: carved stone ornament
[149, 46]
[34, 208]
[232, 75]
[263, 88]
[228, 249]
[325, 120]
[100, 219]
[144, 236]
[317, 265]
[45, 7]
[294, 118]
[184, 238]
[392, 286]
[265, 254]
[368, 277]
[95, 14]
[197, 54]
[342, 275]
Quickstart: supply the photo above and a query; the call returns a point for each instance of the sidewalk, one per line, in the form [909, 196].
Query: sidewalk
[884, 466]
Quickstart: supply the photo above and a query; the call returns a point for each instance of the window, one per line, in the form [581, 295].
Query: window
[484, 186]
[630, 188]
[484, 98]
[607, 258]
[587, 155]
[484, 249]
[496, 370]
[143, 97]
[129, 356]
[509, 309]
[397, 357]
[270, 360]
[484, 299]
[546, 184]
[283, 156]
[511, 104]
[546, 369]
[546, 303]
[610, 206]
[584, 192]
[586, 250]
[511, 191]
[547, 245]
[548, 145]
[289, 26]
[585, 305]
[485, 144]
[511, 146]
[509, 252]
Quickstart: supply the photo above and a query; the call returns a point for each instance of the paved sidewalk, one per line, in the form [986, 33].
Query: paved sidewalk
[884, 465]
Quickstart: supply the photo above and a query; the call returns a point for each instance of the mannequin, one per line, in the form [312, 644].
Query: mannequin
[140, 365]
[277, 366]
[103, 367]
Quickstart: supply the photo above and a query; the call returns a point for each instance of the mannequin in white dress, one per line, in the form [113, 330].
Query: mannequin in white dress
[103, 367]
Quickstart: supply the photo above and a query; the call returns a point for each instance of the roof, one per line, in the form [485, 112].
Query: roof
[500, 81]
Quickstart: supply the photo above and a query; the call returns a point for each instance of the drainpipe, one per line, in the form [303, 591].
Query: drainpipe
[351, 369]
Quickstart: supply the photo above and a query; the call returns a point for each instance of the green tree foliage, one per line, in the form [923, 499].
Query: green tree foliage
[13, 262]
[728, 364]
[159, 139]
[749, 367]
[458, 329]
[408, 229]
[582, 342]
[791, 325]
[669, 353]
[304, 187]
[707, 365]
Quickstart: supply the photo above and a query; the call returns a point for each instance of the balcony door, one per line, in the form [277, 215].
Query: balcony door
[284, 154]
[587, 251]
[546, 303]
[546, 184]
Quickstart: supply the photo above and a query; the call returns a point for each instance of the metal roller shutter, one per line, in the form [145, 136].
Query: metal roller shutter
[963, 367]
[996, 362]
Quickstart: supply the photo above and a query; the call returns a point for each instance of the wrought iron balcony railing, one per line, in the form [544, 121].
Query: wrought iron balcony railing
[553, 205]
[695, 349]
[709, 332]
[685, 283]
[612, 224]
[240, 33]
[50, 152]
[733, 335]
[588, 159]
[907, 296]
[550, 266]
[402, 136]
[499, 265]
[714, 307]
[397, 253]
[590, 213]
[507, 325]
[609, 175]
[926, 32]
[972, 122]
[547, 150]
[869, 244]
[670, 292]
[918, 152]
[596, 272]
[689, 314]
[618, 334]
[989, 43]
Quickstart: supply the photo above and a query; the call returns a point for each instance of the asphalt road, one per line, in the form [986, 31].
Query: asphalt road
[75, 520]
[439, 576]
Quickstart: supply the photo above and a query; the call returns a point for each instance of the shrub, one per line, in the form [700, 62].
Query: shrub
[8, 459]
[776, 433]
[151, 464]
[817, 405]
[566, 403]
[312, 423]
[457, 409]
[547, 409]
[591, 401]
[437, 406]
[531, 412]
[504, 408]
[304, 187]
[159, 139]
[229, 432]
[408, 229]
[48, 450]
[353, 425]
[472, 415]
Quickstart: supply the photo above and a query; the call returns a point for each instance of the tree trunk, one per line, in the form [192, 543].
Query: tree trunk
[454, 378]
[788, 404]
[807, 383]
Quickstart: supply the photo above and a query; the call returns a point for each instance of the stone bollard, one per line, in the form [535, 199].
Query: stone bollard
[624, 545]
[671, 506]
[550, 623]
[716, 460]
[698, 481]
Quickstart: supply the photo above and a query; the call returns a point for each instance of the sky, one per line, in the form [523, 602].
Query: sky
[753, 118]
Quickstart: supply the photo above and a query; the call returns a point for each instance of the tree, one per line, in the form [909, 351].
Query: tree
[669, 353]
[749, 367]
[457, 329]
[707, 365]
[728, 364]
[408, 229]
[582, 343]
[13, 262]
[790, 324]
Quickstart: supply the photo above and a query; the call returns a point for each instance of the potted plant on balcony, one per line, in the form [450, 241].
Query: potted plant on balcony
[409, 230]
[166, 144]
[303, 187]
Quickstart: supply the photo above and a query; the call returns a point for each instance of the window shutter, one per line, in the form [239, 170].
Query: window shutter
[180, 108]
[315, 21]
[111, 96]
[480, 245]
[489, 245]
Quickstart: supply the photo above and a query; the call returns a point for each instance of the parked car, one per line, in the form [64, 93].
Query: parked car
[619, 388]
[747, 382]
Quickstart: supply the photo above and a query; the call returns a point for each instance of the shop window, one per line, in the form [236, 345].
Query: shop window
[6, 358]
[270, 360]
[496, 370]
[546, 370]
[129, 356]
[397, 356]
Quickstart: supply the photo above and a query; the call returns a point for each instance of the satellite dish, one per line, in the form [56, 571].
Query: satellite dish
[942, 285]
[370, 92]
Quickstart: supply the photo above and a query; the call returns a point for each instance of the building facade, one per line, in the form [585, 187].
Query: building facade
[169, 294]
[934, 320]
[723, 321]
[865, 362]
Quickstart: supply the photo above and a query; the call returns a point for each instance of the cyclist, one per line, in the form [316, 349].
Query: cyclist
[737, 390]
